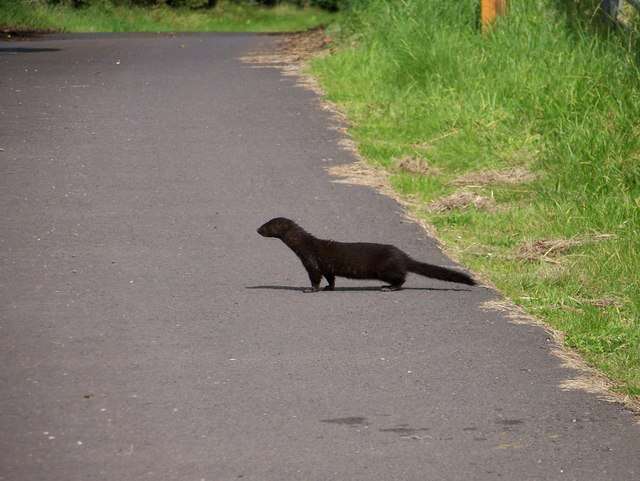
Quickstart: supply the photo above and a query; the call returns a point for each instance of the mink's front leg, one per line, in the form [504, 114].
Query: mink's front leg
[315, 277]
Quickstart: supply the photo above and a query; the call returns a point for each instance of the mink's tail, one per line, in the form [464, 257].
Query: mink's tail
[437, 272]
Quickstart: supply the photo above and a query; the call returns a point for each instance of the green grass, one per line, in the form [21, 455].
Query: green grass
[542, 91]
[26, 15]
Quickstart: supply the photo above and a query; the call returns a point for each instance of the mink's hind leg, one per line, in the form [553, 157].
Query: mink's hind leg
[394, 278]
[392, 287]
[331, 279]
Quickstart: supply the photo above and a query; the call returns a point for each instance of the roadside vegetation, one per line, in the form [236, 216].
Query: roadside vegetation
[148, 16]
[521, 147]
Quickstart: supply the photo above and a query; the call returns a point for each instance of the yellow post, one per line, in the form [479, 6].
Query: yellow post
[489, 9]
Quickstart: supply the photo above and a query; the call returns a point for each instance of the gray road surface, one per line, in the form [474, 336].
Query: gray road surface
[148, 332]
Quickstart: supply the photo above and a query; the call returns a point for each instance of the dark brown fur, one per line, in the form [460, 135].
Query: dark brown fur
[354, 260]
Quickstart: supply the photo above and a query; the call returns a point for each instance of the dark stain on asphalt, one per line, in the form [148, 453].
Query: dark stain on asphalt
[348, 421]
[509, 422]
[403, 430]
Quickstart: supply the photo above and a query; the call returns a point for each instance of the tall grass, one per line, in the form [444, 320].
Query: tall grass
[28, 15]
[543, 90]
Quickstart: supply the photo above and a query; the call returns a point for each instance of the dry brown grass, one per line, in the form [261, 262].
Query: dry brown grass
[547, 249]
[414, 165]
[601, 303]
[462, 200]
[605, 302]
[305, 45]
[290, 56]
[292, 48]
[516, 175]
[358, 173]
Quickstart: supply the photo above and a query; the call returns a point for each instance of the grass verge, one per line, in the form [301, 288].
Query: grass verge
[521, 147]
[28, 15]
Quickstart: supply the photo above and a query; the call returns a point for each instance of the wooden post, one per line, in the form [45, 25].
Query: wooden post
[489, 10]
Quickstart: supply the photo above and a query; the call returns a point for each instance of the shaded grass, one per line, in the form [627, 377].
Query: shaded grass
[25, 15]
[542, 92]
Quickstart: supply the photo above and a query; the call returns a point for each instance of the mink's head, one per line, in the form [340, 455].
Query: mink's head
[277, 227]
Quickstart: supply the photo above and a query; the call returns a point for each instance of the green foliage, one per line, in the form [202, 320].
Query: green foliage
[546, 90]
[193, 4]
[108, 16]
[331, 5]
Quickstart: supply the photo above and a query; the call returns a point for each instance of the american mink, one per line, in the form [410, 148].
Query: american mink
[354, 260]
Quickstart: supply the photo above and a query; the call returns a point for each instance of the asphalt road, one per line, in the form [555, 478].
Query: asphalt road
[148, 332]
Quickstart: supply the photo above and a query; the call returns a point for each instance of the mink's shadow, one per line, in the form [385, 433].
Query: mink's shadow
[17, 50]
[356, 289]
